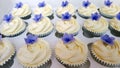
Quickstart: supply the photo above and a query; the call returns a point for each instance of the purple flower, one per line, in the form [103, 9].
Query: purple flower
[41, 4]
[64, 3]
[66, 16]
[0, 37]
[8, 18]
[107, 2]
[95, 16]
[19, 5]
[86, 3]
[67, 38]
[31, 39]
[118, 16]
[107, 39]
[37, 18]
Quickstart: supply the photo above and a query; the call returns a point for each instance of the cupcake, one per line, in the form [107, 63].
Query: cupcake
[12, 26]
[35, 54]
[22, 10]
[71, 52]
[106, 51]
[44, 9]
[96, 26]
[87, 9]
[65, 7]
[7, 53]
[109, 10]
[67, 25]
[115, 25]
[41, 26]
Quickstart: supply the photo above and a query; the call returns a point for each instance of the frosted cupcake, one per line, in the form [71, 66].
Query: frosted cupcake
[35, 54]
[7, 53]
[22, 10]
[96, 26]
[115, 25]
[65, 7]
[106, 51]
[67, 25]
[87, 9]
[44, 9]
[12, 26]
[41, 26]
[71, 52]
[109, 10]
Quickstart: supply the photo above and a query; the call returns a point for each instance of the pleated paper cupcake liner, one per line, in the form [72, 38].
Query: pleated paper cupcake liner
[114, 31]
[27, 17]
[83, 16]
[51, 16]
[102, 62]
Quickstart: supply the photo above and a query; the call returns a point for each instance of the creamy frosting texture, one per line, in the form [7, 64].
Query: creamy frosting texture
[96, 26]
[21, 12]
[45, 11]
[115, 24]
[107, 53]
[35, 54]
[67, 26]
[73, 53]
[13, 27]
[41, 27]
[6, 50]
[69, 8]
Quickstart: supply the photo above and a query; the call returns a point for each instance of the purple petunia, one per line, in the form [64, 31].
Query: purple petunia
[107, 39]
[41, 4]
[67, 38]
[95, 16]
[118, 16]
[31, 39]
[64, 3]
[37, 18]
[8, 18]
[19, 5]
[66, 16]
[86, 3]
[107, 2]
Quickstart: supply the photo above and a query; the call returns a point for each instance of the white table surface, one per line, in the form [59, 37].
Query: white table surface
[52, 40]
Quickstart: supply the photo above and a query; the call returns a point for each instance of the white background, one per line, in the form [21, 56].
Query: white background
[52, 40]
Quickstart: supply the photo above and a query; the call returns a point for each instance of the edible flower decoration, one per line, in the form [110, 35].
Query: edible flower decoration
[41, 4]
[107, 3]
[0, 37]
[19, 5]
[86, 3]
[107, 39]
[95, 16]
[8, 17]
[118, 16]
[37, 18]
[64, 3]
[67, 38]
[66, 16]
[31, 39]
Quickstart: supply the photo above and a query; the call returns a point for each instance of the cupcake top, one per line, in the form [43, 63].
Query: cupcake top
[71, 51]
[68, 24]
[115, 22]
[6, 50]
[41, 25]
[110, 8]
[87, 8]
[21, 10]
[44, 9]
[65, 7]
[96, 23]
[107, 49]
[12, 25]
[36, 52]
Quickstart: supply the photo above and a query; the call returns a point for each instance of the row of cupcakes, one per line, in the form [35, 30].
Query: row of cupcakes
[69, 51]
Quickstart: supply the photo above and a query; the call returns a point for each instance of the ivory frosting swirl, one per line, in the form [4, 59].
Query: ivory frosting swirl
[69, 26]
[6, 51]
[107, 53]
[73, 53]
[115, 23]
[14, 27]
[22, 12]
[99, 26]
[45, 11]
[42, 27]
[34, 55]
[112, 10]
[69, 8]
[87, 11]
